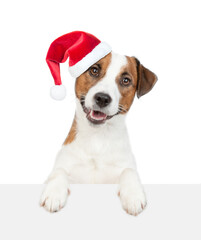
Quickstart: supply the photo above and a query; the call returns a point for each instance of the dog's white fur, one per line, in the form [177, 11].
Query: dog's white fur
[92, 158]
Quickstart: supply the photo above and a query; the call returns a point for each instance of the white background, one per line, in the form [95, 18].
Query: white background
[164, 125]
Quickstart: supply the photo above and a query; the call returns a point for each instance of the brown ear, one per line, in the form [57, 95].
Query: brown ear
[146, 79]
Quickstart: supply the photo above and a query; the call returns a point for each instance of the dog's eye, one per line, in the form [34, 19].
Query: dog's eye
[125, 81]
[94, 71]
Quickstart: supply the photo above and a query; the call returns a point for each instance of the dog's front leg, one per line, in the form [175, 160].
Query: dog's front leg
[56, 191]
[131, 192]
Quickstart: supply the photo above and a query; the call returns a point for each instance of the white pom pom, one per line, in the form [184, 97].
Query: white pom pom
[58, 92]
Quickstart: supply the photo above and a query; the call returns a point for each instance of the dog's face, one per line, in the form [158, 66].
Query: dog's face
[108, 87]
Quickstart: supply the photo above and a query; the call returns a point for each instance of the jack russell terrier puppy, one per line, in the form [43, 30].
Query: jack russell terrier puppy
[97, 148]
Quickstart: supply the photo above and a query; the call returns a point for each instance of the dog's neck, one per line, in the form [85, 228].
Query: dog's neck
[116, 123]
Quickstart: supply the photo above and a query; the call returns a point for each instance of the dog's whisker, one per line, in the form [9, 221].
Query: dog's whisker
[81, 95]
[122, 109]
[120, 105]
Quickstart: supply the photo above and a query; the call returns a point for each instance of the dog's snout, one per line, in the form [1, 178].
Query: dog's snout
[102, 99]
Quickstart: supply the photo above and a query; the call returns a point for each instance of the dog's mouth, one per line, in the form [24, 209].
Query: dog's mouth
[95, 116]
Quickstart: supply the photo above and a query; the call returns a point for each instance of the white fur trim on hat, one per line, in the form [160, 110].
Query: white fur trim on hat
[58, 92]
[100, 51]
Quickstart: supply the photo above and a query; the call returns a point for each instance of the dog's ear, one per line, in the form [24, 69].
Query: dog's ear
[146, 79]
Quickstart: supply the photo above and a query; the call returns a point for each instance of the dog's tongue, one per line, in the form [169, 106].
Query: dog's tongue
[98, 115]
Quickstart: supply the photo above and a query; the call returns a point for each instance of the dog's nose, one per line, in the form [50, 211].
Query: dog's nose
[102, 99]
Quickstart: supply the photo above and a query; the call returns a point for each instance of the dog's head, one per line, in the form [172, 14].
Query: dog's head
[108, 87]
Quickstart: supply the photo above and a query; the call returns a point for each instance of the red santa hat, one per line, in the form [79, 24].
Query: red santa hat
[82, 49]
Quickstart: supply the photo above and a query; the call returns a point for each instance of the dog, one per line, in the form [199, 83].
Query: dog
[97, 148]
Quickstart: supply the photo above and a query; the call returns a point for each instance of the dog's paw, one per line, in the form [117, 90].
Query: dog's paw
[133, 200]
[54, 196]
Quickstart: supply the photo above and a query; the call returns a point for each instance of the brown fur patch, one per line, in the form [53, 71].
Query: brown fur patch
[72, 134]
[85, 81]
[127, 92]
